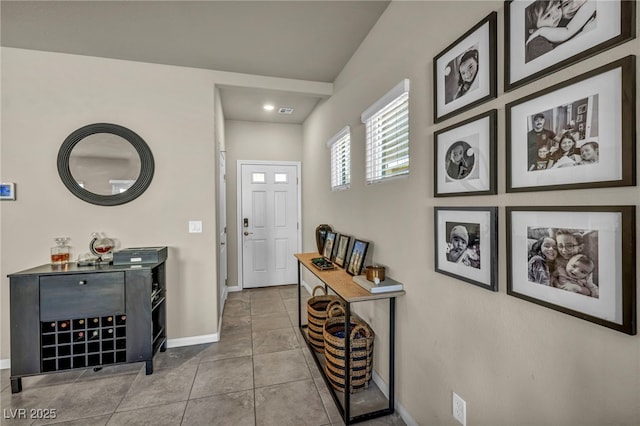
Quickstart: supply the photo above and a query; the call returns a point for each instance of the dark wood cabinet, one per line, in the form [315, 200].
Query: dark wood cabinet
[70, 317]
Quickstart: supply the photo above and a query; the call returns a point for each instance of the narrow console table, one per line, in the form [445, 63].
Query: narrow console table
[341, 283]
[69, 317]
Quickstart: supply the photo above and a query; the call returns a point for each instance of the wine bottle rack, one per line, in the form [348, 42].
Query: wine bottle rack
[84, 317]
[83, 342]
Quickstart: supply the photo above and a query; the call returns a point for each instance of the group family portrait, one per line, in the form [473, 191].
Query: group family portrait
[564, 136]
[566, 259]
[579, 260]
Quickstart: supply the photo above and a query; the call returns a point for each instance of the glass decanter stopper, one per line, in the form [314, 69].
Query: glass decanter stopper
[61, 253]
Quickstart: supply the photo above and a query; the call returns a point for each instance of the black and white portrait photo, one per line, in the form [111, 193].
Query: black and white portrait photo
[463, 245]
[464, 73]
[565, 259]
[574, 134]
[460, 74]
[564, 136]
[460, 160]
[466, 244]
[579, 260]
[550, 23]
[543, 36]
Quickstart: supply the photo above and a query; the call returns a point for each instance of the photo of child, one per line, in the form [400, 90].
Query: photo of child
[549, 23]
[459, 161]
[460, 74]
[463, 246]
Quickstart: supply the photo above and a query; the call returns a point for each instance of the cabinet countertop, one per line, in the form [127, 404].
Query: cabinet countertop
[73, 268]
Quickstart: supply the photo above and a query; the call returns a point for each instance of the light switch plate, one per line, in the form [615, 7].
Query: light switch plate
[195, 226]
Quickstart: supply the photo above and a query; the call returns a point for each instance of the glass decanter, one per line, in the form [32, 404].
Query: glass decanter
[101, 247]
[61, 253]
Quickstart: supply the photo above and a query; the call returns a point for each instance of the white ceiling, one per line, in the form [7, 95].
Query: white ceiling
[303, 40]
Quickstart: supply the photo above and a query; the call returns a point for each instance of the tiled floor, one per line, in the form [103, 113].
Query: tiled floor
[259, 373]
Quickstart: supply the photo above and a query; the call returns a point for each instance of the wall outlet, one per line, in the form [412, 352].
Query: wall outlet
[459, 409]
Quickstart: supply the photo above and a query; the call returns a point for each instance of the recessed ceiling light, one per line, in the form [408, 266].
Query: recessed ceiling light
[268, 107]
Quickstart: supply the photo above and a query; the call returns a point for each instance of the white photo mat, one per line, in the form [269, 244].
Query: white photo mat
[479, 39]
[608, 306]
[483, 217]
[607, 86]
[477, 133]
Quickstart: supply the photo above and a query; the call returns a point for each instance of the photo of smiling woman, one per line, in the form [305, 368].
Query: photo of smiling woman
[566, 259]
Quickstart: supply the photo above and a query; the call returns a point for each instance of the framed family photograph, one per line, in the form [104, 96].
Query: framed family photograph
[358, 254]
[341, 251]
[329, 242]
[466, 244]
[576, 134]
[464, 74]
[465, 157]
[579, 260]
[543, 36]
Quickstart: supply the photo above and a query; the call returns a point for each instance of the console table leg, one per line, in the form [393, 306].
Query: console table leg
[148, 367]
[16, 384]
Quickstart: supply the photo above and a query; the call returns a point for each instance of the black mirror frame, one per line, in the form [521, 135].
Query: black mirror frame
[146, 165]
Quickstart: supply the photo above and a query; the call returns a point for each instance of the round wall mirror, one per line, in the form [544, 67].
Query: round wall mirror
[105, 164]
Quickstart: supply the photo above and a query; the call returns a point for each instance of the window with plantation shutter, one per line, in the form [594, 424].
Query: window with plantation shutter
[340, 146]
[387, 138]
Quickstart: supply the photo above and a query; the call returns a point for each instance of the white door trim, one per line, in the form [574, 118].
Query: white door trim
[239, 226]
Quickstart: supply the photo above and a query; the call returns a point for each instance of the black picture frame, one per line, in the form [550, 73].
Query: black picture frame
[357, 256]
[543, 240]
[341, 250]
[596, 106]
[530, 56]
[475, 174]
[479, 45]
[327, 251]
[473, 256]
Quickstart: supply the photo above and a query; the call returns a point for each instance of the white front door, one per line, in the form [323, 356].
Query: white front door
[269, 224]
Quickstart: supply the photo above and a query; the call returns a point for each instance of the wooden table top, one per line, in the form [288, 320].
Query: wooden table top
[342, 282]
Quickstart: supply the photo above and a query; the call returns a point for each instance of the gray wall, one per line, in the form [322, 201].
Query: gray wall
[514, 362]
[247, 140]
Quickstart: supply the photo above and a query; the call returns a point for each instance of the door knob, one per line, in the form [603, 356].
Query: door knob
[247, 233]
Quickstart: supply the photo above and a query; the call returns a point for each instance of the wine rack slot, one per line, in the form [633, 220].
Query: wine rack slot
[83, 342]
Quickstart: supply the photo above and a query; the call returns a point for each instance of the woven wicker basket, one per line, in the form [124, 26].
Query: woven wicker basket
[316, 316]
[361, 354]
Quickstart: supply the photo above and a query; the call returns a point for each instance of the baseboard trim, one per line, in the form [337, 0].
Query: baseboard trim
[234, 289]
[193, 340]
[402, 412]
[5, 363]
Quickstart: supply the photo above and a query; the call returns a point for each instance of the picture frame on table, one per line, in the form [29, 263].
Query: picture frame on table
[329, 242]
[576, 134]
[466, 244]
[8, 191]
[543, 37]
[358, 254]
[465, 157]
[465, 73]
[579, 260]
[340, 258]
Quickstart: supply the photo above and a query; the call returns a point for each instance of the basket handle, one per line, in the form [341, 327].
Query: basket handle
[313, 292]
[334, 306]
[357, 328]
